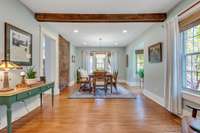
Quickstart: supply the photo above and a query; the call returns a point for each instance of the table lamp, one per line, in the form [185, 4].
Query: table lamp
[6, 66]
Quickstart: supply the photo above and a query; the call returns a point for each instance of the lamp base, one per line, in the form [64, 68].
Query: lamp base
[6, 89]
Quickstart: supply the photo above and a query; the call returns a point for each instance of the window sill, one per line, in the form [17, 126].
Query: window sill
[191, 96]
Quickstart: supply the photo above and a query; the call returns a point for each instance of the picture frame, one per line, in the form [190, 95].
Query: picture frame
[73, 59]
[18, 45]
[127, 60]
[155, 53]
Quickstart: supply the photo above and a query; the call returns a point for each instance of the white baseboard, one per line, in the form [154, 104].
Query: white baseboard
[154, 97]
[122, 81]
[133, 83]
[71, 83]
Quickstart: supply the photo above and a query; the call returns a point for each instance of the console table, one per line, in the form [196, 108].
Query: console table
[20, 94]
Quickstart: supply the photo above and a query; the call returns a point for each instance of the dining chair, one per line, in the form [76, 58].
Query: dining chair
[100, 80]
[114, 79]
[83, 80]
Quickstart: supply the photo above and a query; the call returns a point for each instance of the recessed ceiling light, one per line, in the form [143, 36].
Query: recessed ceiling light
[76, 31]
[124, 31]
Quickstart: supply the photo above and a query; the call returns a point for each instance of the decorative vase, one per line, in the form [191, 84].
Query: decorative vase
[31, 81]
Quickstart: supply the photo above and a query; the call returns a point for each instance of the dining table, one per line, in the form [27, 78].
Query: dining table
[108, 75]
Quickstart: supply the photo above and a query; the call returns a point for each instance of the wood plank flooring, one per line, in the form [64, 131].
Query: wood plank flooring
[139, 115]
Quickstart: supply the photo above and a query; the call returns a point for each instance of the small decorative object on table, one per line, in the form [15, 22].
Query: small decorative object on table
[23, 82]
[43, 79]
[31, 76]
[6, 66]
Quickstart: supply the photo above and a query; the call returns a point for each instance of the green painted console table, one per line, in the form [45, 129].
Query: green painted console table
[8, 98]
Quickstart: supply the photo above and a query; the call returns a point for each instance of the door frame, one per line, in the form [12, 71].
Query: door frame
[45, 32]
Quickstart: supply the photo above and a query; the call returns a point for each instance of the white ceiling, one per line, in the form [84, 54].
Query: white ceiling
[100, 6]
[110, 33]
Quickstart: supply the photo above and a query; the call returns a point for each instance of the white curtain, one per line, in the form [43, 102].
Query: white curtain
[94, 60]
[86, 61]
[173, 52]
[114, 63]
[107, 62]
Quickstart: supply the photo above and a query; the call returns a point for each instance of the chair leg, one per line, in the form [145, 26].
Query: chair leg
[94, 91]
[115, 85]
[105, 89]
[80, 88]
[91, 88]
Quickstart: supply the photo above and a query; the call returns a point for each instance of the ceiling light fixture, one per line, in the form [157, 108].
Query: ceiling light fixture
[124, 31]
[76, 31]
[100, 39]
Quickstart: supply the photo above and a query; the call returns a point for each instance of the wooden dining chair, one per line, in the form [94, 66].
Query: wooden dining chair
[100, 80]
[114, 79]
[84, 81]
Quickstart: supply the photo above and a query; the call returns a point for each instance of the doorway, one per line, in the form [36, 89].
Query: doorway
[49, 58]
[140, 66]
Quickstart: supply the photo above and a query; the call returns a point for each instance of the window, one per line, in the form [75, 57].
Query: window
[191, 71]
[91, 63]
[139, 60]
[100, 61]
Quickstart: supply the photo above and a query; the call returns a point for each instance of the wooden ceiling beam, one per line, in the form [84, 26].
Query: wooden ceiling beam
[84, 18]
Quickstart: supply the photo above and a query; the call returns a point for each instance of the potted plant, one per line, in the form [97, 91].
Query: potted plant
[31, 76]
[141, 75]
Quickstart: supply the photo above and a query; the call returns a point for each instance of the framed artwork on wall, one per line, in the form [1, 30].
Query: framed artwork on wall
[155, 53]
[18, 45]
[126, 60]
[73, 59]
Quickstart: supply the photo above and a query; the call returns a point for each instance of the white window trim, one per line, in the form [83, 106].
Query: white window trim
[191, 96]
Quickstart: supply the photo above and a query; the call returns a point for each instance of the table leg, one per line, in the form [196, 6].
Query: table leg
[52, 95]
[9, 119]
[41, 99]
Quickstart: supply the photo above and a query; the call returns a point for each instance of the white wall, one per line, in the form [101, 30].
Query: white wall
[13, 12]
[153, 73]
[73, 66]
[46, 32]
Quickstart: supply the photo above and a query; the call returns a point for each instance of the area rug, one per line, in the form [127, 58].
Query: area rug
[120, 93]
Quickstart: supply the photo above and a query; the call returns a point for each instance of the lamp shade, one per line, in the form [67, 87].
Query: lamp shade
[7, 65]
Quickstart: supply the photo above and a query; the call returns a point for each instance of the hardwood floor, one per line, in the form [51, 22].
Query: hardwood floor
[139, 115]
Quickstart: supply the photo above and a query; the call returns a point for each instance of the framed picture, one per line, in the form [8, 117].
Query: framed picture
[73, 59]
[155, 53]
[126, 60]
[18, 45]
